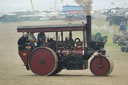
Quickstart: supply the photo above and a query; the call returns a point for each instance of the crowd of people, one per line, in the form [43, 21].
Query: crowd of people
[30, 39]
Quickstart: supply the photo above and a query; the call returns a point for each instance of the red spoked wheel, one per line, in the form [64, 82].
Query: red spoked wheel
[43, 61]
[101, 66]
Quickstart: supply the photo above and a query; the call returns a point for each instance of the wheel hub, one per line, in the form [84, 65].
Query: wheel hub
[100, 66]
[42, 61]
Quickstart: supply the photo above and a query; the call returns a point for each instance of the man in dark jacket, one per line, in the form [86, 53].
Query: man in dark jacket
[22, 42]
[41, 39]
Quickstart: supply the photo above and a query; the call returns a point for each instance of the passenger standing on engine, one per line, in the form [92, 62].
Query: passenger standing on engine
[22, 42]
[32, 39]
[41, 39]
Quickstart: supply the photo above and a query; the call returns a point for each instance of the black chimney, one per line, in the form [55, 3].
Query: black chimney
[88, 30]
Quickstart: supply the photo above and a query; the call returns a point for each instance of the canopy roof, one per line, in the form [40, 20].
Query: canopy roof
[52, 28]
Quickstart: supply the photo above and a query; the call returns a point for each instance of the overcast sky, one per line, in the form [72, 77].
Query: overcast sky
[24, 5]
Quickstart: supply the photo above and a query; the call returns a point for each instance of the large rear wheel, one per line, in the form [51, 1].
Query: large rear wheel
[43, 61]
[101, 66]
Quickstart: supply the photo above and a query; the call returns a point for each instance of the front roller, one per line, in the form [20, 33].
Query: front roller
[43, 61]
[101, 66]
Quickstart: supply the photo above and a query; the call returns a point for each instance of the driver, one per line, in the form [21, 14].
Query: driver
[41, 39]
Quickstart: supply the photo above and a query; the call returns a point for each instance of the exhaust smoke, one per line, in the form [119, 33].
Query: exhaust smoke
[84, 4]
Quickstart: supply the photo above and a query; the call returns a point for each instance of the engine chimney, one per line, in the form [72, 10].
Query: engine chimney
[88, 30]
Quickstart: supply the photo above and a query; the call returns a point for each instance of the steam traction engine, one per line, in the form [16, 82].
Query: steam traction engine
[68, 53]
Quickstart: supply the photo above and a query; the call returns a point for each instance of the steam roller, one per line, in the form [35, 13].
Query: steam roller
[60, 52]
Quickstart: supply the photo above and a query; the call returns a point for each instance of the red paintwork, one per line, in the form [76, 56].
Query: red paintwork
[100, 66]
[24, 54]
[37, 67]
[78, 51]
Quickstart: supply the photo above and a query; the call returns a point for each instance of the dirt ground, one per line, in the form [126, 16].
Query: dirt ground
[12, 71]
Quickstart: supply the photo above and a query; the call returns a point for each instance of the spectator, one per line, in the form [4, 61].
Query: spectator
[122, 27]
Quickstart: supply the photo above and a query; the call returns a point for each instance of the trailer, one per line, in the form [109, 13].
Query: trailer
[66, 53]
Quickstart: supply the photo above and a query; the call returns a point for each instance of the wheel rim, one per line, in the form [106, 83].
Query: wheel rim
[111, 65]
[43, 61]
[100, 66]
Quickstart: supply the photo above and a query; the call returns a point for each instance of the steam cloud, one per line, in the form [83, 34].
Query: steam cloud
[85, 3]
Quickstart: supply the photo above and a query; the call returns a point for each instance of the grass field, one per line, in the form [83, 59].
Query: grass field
[12, 71]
